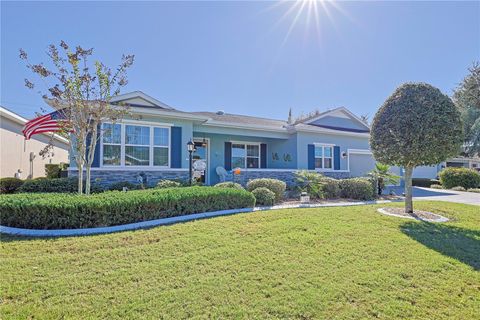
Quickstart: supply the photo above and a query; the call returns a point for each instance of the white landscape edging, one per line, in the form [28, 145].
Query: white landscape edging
[166, 221]
[439, 219]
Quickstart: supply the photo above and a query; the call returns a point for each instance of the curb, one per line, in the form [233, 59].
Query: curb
[166, 221]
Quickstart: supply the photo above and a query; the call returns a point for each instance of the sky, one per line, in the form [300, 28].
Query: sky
[254, 58]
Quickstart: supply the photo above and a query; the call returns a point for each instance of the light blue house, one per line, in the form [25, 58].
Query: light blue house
[152, 144]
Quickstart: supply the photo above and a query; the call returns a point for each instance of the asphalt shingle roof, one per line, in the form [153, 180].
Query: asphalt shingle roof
[241, 119]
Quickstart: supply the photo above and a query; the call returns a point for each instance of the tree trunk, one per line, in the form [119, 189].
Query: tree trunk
[80, 178]
[87, 179]
[408, 190]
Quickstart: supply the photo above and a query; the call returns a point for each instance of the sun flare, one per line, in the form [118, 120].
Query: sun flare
[307, 11]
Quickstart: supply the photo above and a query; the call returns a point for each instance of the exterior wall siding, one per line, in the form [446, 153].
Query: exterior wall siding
[15, 151]
[278, 146]
[343, 141]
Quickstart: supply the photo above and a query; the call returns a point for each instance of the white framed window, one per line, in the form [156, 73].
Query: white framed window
[323, 157]
[161, 142]
[245, 155]
[112, 144]
[135, 145]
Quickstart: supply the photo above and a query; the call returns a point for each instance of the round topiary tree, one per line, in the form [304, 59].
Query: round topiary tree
[417, 125]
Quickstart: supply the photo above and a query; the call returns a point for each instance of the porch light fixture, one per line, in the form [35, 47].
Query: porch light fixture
[190, 148]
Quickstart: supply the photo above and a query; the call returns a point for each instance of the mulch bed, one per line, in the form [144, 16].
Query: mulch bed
[417, 214]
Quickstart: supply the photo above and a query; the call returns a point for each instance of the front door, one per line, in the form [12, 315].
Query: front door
[201, 153]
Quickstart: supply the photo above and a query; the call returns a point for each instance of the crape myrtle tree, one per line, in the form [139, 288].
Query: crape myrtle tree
[467, 99]
[417, 125]
[81, 92]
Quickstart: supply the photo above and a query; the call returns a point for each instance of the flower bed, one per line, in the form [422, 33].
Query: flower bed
[68, 211]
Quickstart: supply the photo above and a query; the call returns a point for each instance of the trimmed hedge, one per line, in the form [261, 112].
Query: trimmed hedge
[68, 211]
[264, 196]
[276, 186]
[330, 188]
[424, 182]
[64, 185]
[10, 185]
[357, 188]
[463, 177]
[229, 184]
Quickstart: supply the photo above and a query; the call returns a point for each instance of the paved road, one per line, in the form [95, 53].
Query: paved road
[442, 195]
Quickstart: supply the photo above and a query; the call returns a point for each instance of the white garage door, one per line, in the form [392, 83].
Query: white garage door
[361, 164]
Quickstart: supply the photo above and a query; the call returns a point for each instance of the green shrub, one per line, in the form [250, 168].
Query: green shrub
[330, 188]
[476, 190]
[463, 177]
[276, 186]
[10, 185]
[66, 211]
[64, 185]
[229, 184]
[424, 182]
[436, 186]
[118, 186]
[310, 182]
[50, 185]
[168, 184]
[356, 188]
[264, 196]
[458, 188]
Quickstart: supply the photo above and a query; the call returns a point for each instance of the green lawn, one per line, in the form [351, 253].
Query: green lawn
[342, 263]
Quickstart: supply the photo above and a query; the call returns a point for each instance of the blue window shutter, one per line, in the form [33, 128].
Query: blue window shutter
[176, 147]
[336, 158]
[263, 155]
[311, 157]
[228, 156]
[96, 156]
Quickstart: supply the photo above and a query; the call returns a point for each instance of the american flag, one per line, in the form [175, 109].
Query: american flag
[52, 122]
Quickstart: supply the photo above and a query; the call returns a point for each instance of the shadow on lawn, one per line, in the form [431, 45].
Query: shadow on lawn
[458, 243]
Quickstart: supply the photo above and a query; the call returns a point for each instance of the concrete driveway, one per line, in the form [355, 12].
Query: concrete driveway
[441, 195]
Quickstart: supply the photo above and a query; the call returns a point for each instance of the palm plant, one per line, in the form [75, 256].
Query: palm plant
[382, 176]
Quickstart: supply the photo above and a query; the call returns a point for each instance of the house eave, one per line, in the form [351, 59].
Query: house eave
[213, 123]
[334, 132]
[21, 120]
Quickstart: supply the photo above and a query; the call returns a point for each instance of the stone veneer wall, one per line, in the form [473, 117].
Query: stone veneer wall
[108, 177]
[287, 176]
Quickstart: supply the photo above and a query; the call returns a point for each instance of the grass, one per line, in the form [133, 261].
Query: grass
[342, 263]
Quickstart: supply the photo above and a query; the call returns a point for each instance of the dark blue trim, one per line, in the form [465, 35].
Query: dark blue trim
[176, 147]
[263, 155]
[311, 157]
[228, 156]
[336, 158]
[340, 128]
[96, 156]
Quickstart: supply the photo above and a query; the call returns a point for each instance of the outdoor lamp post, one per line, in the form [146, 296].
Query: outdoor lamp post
[190, 148]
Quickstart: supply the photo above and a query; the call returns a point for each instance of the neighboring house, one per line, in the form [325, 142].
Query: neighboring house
[152, 144]
[432, 172]
[20, 157]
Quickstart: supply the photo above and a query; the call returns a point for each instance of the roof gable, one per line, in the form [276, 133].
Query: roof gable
[339, 119]
[140, 99]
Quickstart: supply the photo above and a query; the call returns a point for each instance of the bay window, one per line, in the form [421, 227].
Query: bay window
[135, 145]
[245, 155]
[323, 157]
